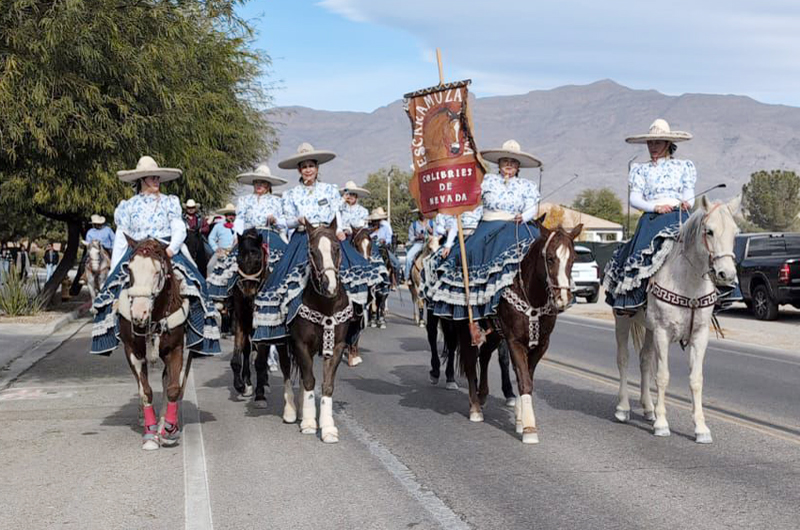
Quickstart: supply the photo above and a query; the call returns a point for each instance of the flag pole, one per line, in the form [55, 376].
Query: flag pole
[475, 333]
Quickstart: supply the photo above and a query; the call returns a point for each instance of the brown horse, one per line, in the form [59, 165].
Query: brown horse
[319, 327]
[252, 263]
[526, 316]
[152, 316]
[363, 244]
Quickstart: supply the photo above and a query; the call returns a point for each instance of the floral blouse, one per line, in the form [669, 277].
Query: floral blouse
[668, 178]
[320, 203]
[353, 217]
[516, 196]
[144, 216]
[253, 210]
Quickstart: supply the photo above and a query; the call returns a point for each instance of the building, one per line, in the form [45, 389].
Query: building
[594, 228]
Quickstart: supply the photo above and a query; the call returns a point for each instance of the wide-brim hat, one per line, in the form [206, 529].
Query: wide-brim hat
[659, 130]
[351, 187]
[306, 151]
[98, 219]
[229, 208]
[262, 172]
[378, 214]
[191, 204]
[147, 167]
[511, 149]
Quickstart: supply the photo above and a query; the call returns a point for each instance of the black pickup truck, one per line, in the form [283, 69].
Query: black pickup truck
[768, 266]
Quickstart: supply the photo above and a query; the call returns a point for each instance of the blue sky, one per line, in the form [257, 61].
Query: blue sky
[359, 55]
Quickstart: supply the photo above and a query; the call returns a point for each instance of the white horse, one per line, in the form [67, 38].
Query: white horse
[680, 304]
[98, 266]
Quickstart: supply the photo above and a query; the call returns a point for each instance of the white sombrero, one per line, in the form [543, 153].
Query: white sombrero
[305, 152]
[659, 130]
[378, 214]
[191, 204]
[98, 219]
[351, 187]
[262, 172]
[229, 208]
[511, 149]
[147, 167]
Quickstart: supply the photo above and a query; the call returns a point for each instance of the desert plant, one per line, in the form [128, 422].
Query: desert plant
[20, 296]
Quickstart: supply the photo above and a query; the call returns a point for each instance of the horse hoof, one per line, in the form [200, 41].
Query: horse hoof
[661, 431]
[260, 403]
[452, 385]
[421, 324]
[518, 427]
[476, 417]
[289, 416]
[649, 415]
[703, 438]
[622, 416]
[248, 391]
[530, 438]
[511, 402]
[330, 435]
[433, 380]
[150, 445]
[308, 427]
[383, 325]
[356, 361]
[273, 368]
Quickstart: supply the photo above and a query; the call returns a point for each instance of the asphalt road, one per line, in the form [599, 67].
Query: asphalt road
[408, 456]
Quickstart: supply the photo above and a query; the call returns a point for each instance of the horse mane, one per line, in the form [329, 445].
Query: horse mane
[692, 229]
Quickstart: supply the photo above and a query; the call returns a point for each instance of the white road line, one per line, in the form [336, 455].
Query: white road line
[446, 518]
[195, 474]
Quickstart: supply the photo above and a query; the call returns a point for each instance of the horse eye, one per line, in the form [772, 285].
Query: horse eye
[709, 232]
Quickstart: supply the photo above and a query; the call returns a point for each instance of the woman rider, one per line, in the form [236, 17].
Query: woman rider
[498, 244]
[316, 203]
[151, 214]
[355, 217]
[261, 210]
[663, 189]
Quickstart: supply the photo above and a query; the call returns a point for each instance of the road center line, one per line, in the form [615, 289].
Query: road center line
[446, 518]
[195, 475]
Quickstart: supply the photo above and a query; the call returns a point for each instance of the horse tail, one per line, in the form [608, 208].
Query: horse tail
[638, 332]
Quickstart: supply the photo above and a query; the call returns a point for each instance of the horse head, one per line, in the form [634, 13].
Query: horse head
[557, 255]
[712, 230]
[444, 134]
[325, 257]
[362, 242]
[150, 269]
[251, 261]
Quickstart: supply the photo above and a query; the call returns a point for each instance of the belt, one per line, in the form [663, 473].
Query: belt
[497, 215]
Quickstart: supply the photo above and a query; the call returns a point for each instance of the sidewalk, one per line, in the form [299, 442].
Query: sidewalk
[738, 324]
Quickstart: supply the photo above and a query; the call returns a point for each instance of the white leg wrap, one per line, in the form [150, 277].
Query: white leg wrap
[528, 419]
[289, 407]
[309, 423]
[518, 416]
[330, 434]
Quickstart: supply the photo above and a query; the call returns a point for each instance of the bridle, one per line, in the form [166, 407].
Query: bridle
[161, 279]
[257, 276]
[317, 272]
[712, 257]
[552, 290]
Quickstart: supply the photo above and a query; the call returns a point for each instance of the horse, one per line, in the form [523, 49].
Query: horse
[526, 316]
[376, 309]
[99, 266]
[152, 318]
[319, 327]
[196, 244]
[252, 263]
[430, 246]
[362, 242]
[680, 305]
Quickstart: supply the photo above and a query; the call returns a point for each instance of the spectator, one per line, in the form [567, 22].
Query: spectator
[50, 260]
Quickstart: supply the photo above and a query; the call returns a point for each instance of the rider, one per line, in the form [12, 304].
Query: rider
[149, 214]
[418, 230]
[261, 210]
[222, 237]
[354, 216]
[382, 234]
[100, 232]
[316, 203]
[197, 231]
[663, 189]
[498, 244]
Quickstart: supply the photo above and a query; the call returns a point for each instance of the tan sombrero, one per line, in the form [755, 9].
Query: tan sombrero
[351, 187]
[306, 151]
[98, 219]
[659, 130]
[229, 208]
[262, 172]
[511, 149]
[147, 167]
[378, 214]
[191, 204]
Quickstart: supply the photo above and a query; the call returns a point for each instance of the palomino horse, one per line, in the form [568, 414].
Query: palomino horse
[680, 306]
[152, 316]
[319, 327]
[526, 316]
[252, 263]
[97, 268]
[363, 244]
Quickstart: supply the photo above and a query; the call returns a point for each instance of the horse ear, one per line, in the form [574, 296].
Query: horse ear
[734, 204]
[540, 220]
[575, 232]
[131, 242]
[705, 203]
[333, 224]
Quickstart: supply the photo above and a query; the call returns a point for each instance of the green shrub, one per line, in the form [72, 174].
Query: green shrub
[20, 297]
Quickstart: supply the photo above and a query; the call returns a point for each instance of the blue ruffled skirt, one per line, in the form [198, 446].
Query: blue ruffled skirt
[224, 274]
[494, 252]
[626, 275]
[281, 295]
[381, 289]
[202, 333]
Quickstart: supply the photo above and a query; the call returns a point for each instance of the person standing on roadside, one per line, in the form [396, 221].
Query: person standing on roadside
[50, 260]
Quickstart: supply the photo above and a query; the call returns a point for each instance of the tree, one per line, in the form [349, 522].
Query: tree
[89, 86]
[602, 203]
[771, 200]
[402, 201]
[555, 217]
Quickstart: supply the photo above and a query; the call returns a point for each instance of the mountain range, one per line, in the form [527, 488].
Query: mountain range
[572, 129]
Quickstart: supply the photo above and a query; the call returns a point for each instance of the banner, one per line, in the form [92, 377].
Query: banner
[447, 170]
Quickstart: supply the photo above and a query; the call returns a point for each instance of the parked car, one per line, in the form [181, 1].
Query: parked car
[585, 274]
[768, 267]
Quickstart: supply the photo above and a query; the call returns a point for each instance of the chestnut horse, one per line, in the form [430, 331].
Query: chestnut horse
[319, 327]
[152, 316]
[526, 316]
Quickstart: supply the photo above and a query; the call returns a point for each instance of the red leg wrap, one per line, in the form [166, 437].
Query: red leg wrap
[149, 416]
[172, 413]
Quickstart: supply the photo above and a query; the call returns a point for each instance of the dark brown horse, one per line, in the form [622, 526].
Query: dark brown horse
[363, 244]
[320, 327]
[526, 317]
[152, 316]
[252, 267]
